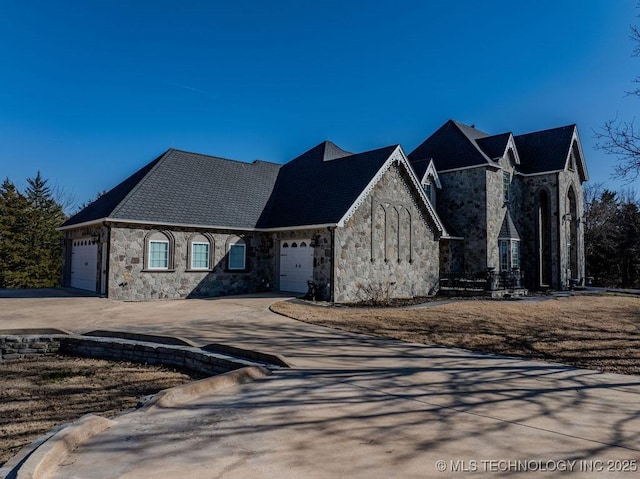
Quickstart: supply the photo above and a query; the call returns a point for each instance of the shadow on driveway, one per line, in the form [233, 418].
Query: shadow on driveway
[46, 293]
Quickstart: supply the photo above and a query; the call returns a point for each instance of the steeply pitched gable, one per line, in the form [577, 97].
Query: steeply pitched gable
[319, 187]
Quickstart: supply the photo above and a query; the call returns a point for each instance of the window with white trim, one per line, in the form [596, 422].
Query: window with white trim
[200, 255]
[515, 254]
[237, 256]
[158, 254]
[509, 254]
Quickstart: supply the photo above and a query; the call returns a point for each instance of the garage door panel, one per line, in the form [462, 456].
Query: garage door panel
[84, 264]
[296, 265]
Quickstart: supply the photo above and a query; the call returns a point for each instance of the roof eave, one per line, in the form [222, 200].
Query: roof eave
[193, 225]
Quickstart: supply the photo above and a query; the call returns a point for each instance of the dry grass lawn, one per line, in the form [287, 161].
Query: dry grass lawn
[595, 332]
[38, 394]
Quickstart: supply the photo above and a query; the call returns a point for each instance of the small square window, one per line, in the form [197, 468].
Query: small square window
[199, 255]
[237, 256]
[158, 254]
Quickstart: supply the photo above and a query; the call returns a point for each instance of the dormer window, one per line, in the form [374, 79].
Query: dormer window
[427, 189]
[430, 191]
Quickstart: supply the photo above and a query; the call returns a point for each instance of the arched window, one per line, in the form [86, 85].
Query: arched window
[200, 254]
[159, 248]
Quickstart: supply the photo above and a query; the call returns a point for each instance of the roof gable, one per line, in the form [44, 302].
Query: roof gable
[546, 150]
[314, 190]
[433, 173]
[400, 158]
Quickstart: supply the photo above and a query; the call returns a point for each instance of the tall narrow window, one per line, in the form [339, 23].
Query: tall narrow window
[515, 254]
[237, 256]
[506, 181]
[504, 254]
[158, 254]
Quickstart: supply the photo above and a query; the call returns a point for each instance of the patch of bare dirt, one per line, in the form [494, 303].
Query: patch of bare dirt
[38, 394]
[594, 332]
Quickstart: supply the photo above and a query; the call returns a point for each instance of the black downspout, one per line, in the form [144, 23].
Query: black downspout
[106, 273]
[332, 230]
[559, 222]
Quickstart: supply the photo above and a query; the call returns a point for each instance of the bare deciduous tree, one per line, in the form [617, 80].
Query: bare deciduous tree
[621, 137]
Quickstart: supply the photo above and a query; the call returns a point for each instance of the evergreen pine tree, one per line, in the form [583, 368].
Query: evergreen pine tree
[44, 268]
[14, 243]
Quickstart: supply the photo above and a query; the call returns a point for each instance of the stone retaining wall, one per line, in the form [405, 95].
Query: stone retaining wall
[193, 359]
[20, 346]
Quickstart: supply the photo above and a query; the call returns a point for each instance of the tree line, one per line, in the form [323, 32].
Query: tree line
[612, 237]
[31, 248]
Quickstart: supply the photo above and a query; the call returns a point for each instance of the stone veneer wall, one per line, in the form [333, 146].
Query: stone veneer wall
[462, 202]
[557, 187]
[130, 280]
[531, 186]
[388, 247]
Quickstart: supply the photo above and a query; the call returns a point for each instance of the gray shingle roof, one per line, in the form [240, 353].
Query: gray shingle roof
[494, 146]
[318, 188]
[452, 146]
[103, 206]
[189, 188]
[545, 150]
[455, 145]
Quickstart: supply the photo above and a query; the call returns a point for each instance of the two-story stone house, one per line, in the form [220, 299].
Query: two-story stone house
[356, 225]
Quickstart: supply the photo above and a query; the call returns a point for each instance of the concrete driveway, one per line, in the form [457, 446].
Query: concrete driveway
[353, 405]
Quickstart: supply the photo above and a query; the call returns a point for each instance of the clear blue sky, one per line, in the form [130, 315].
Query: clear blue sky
[90, 91]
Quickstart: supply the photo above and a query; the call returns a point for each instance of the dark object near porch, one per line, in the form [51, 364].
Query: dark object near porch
[486, 283]
[314, 292]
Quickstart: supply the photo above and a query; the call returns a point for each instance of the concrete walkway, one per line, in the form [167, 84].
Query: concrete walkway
[353, 405]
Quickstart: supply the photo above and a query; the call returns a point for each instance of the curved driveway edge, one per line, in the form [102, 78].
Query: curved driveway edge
[43, 459]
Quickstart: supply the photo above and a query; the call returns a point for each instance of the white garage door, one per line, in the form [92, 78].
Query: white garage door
[84, 264]
[296, 265]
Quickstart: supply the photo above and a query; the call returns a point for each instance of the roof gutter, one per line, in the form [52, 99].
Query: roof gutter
[193, 225]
